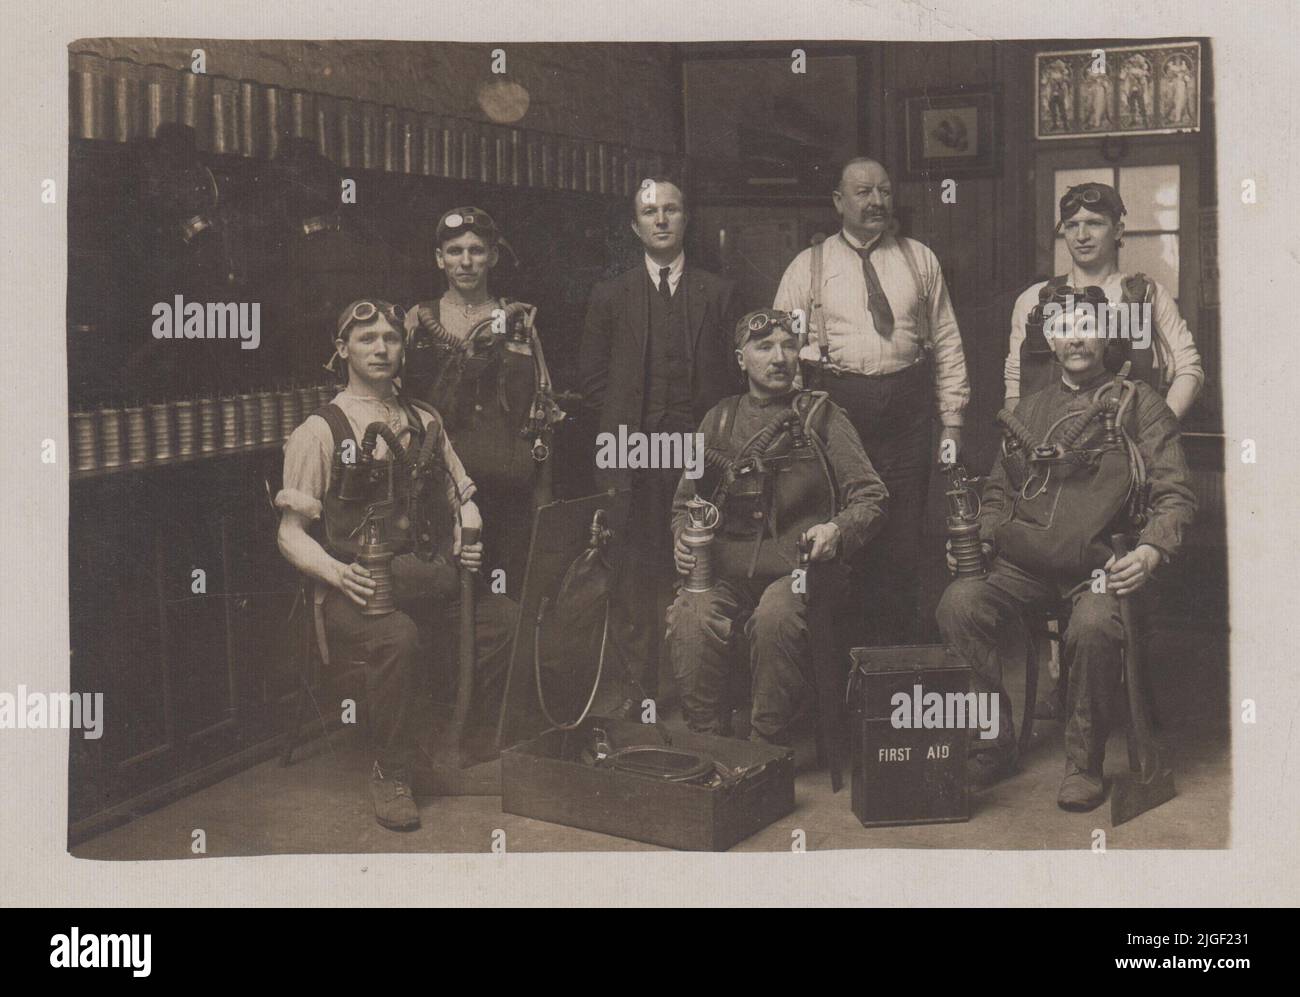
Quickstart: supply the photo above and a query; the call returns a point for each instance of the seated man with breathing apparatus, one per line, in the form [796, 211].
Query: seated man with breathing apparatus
[1091, 464]
[397, 511]
[786, 484]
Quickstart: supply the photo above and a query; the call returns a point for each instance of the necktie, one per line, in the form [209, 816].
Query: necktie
[881, 314]
[665, 289]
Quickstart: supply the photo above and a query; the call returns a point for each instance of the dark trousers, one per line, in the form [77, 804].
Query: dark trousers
[397, 674]
[974, 615]
[703, 632]
[892, 414]
[644, 578]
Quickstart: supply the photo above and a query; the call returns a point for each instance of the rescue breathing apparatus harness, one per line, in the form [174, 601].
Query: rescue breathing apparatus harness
[1083, 481]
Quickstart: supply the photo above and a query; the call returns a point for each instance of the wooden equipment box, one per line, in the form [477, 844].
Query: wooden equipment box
[543, 779]
[902, 775]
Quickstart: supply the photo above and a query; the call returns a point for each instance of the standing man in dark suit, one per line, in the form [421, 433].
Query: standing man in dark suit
[655, 358]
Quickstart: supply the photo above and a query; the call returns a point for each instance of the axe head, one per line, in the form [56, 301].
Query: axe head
[1131, 796]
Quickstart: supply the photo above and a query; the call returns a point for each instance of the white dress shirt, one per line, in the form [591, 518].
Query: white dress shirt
[854, 343]
[675, 269]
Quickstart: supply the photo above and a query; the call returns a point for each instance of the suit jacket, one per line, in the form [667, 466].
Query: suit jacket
[615, 345]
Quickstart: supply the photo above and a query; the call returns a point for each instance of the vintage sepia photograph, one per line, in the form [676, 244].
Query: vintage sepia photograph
[575, 447]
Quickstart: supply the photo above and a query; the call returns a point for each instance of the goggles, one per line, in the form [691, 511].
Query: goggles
[465, 219]
[365, 310]
[1088, 195]
[758, 324]
[1092, 295]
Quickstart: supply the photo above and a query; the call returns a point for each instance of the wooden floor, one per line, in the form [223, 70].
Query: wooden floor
[320, 803]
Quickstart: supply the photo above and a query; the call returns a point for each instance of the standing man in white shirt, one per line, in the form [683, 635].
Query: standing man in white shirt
[883, 341]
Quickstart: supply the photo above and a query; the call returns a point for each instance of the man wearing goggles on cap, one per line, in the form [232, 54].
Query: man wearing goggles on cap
[1163, 352]
[791, 460]
[654, 358]
[368, 345]
[883, 341]
[467, 246]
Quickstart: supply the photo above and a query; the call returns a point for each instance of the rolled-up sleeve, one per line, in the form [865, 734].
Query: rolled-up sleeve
[306, 468]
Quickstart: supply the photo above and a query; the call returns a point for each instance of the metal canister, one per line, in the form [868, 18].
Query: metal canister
[376, 556]
[272, 119]
[195, 107]
[389, 154]
[429, 145]
[250, 420]
[370, 135]
[160, 99]
[184, 410]
[447, 151]
[307, 401]
[302, 114]
[129, 98]
[290, 412]
[250, 117]
[160, 422]
[83, 441]
[327, 128]
[963, 524]
[268, 409]
[702, 522]
[110, 437]
[91, 97]
[408, 142]
[209, 418]
[137, 435]
[349, 142]
[229, 406]
[225, 114]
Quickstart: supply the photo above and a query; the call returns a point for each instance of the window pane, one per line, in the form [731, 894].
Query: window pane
[1151, 196]
[1068, 178]
[1154, 255]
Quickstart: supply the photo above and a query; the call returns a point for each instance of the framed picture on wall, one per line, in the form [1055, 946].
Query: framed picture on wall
[949, 133]
[754, 128]
[1133, 90]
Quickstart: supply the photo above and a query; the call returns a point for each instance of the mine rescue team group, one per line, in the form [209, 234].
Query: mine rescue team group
[848, 450]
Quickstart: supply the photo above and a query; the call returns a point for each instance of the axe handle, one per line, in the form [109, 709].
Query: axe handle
[826, 677]
[1139, 717]
[468, 651]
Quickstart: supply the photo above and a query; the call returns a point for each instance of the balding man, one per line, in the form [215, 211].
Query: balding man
[883, 341]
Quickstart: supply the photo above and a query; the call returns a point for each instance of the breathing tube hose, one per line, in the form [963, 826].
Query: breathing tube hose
[1016, 429]
[373, 432]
